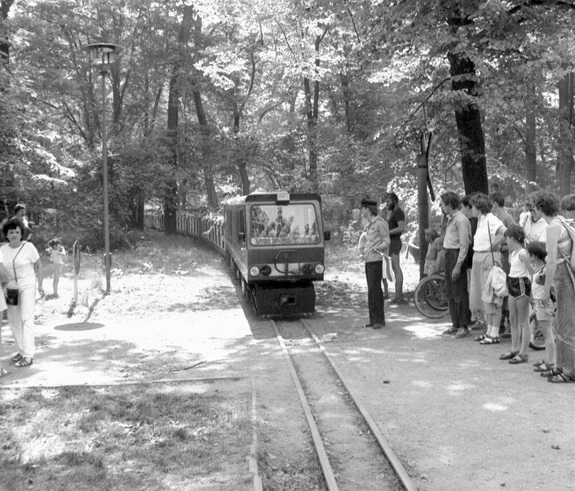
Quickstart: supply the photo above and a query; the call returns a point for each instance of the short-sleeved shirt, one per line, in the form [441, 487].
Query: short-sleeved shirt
[533, 229]
[458, 235]
[486, 224]
[21, 261]
[396, 215]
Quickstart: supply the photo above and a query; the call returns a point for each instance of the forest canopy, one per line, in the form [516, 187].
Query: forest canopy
[215, 98]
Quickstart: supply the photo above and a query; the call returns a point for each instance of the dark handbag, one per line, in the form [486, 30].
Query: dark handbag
[12, 293]
[11, 296]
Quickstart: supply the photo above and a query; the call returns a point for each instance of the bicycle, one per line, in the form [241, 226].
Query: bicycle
[429, 297]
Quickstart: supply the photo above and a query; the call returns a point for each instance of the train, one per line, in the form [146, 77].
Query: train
[274, 243]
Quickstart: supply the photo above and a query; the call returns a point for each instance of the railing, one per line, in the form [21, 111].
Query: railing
[203, 227]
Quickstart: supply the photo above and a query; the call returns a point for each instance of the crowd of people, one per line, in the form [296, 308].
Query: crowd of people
[496, 268]
[498, 272]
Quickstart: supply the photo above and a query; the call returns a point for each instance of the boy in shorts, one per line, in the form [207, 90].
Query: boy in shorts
[544, 309]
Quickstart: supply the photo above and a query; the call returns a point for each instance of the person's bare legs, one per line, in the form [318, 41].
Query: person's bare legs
[398, 277]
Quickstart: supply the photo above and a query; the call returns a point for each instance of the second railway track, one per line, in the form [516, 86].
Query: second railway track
[352, 452]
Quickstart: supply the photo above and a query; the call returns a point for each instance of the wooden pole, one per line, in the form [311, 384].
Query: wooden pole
[422, 199]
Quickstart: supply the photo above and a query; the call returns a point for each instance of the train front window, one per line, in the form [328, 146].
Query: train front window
[295, 223]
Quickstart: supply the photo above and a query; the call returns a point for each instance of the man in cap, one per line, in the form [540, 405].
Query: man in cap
[377, 242]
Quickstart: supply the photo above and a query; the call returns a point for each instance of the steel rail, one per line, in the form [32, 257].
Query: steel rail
[385, 446]
[325, 464]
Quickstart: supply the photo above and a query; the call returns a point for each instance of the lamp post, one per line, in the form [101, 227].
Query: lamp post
[103, 54]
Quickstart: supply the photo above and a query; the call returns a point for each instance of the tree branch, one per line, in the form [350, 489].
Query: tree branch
[435, 89]
[541, 3]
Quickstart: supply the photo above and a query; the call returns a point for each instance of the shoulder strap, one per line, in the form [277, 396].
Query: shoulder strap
[14, 264]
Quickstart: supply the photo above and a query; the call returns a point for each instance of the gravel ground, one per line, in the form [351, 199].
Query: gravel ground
[457, 416]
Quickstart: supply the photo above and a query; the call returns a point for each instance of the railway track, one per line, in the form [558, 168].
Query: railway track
[352, 452]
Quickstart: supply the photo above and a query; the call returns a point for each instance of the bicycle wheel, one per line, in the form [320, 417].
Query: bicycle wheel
[429, 297]
[537, 341]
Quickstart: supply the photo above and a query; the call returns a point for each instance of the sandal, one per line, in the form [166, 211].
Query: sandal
[560, 378]
[552, 372]
[24, 362]
[519, 359]
[538, 363]
[481, 337]
[509, 355]
[490, 340]
[544, 367]
[16, 358]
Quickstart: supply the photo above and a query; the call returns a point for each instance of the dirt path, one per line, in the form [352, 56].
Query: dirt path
[457, 416]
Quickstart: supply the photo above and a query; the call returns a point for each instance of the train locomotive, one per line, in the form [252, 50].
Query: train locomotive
[275, 244]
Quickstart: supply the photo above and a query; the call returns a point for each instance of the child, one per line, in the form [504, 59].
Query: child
[519, 287]
[544, 309]
[56, 252]
[435, 254]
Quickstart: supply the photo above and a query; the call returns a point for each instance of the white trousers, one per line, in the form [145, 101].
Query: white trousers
[21, 320]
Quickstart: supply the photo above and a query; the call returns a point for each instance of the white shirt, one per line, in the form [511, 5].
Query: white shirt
[485, 224]
[22, 260]
[517, 268]
[533, 230]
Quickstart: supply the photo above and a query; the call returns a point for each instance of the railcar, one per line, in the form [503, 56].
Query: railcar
[275, 244]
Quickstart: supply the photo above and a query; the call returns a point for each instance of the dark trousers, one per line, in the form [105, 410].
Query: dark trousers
[456, 292]
[374, 275]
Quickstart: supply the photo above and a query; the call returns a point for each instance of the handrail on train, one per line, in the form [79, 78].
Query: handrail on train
[206, 228]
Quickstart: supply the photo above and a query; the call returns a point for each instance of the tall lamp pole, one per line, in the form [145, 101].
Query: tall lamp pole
[103, 54]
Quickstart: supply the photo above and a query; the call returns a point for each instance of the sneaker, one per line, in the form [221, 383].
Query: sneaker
[463, 332]
[451, 331]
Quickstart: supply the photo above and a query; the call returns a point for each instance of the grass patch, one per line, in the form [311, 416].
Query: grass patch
[123, 437]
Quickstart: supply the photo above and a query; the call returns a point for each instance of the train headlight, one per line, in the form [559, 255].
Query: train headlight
[319, 269]
[266, 270]
[254, 271]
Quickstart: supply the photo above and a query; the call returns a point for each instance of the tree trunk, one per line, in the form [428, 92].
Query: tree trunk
[469, 128]
[209, 183]
[171, 186]
[241, 161]
[4, 36]
[312, 111]
[467, 114]
[565, 169]
[530, 146]
[312, 105]
[346, 91]
[204, 128]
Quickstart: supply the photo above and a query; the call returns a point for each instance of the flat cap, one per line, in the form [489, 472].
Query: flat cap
[368, 202]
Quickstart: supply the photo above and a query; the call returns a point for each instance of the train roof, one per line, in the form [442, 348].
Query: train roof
[280, 197]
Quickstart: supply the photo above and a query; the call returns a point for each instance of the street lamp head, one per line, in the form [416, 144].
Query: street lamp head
[102, 53]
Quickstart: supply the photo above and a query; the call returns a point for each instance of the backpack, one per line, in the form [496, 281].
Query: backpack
[569, 225]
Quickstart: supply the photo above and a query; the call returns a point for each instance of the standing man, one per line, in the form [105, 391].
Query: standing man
[396, 223]
[20, 214]
[456, 243]
[377, 242]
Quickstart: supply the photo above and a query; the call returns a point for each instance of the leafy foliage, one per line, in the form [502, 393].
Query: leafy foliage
[287, 94]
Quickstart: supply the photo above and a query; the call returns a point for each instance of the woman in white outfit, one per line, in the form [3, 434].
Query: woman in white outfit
[24, 268]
